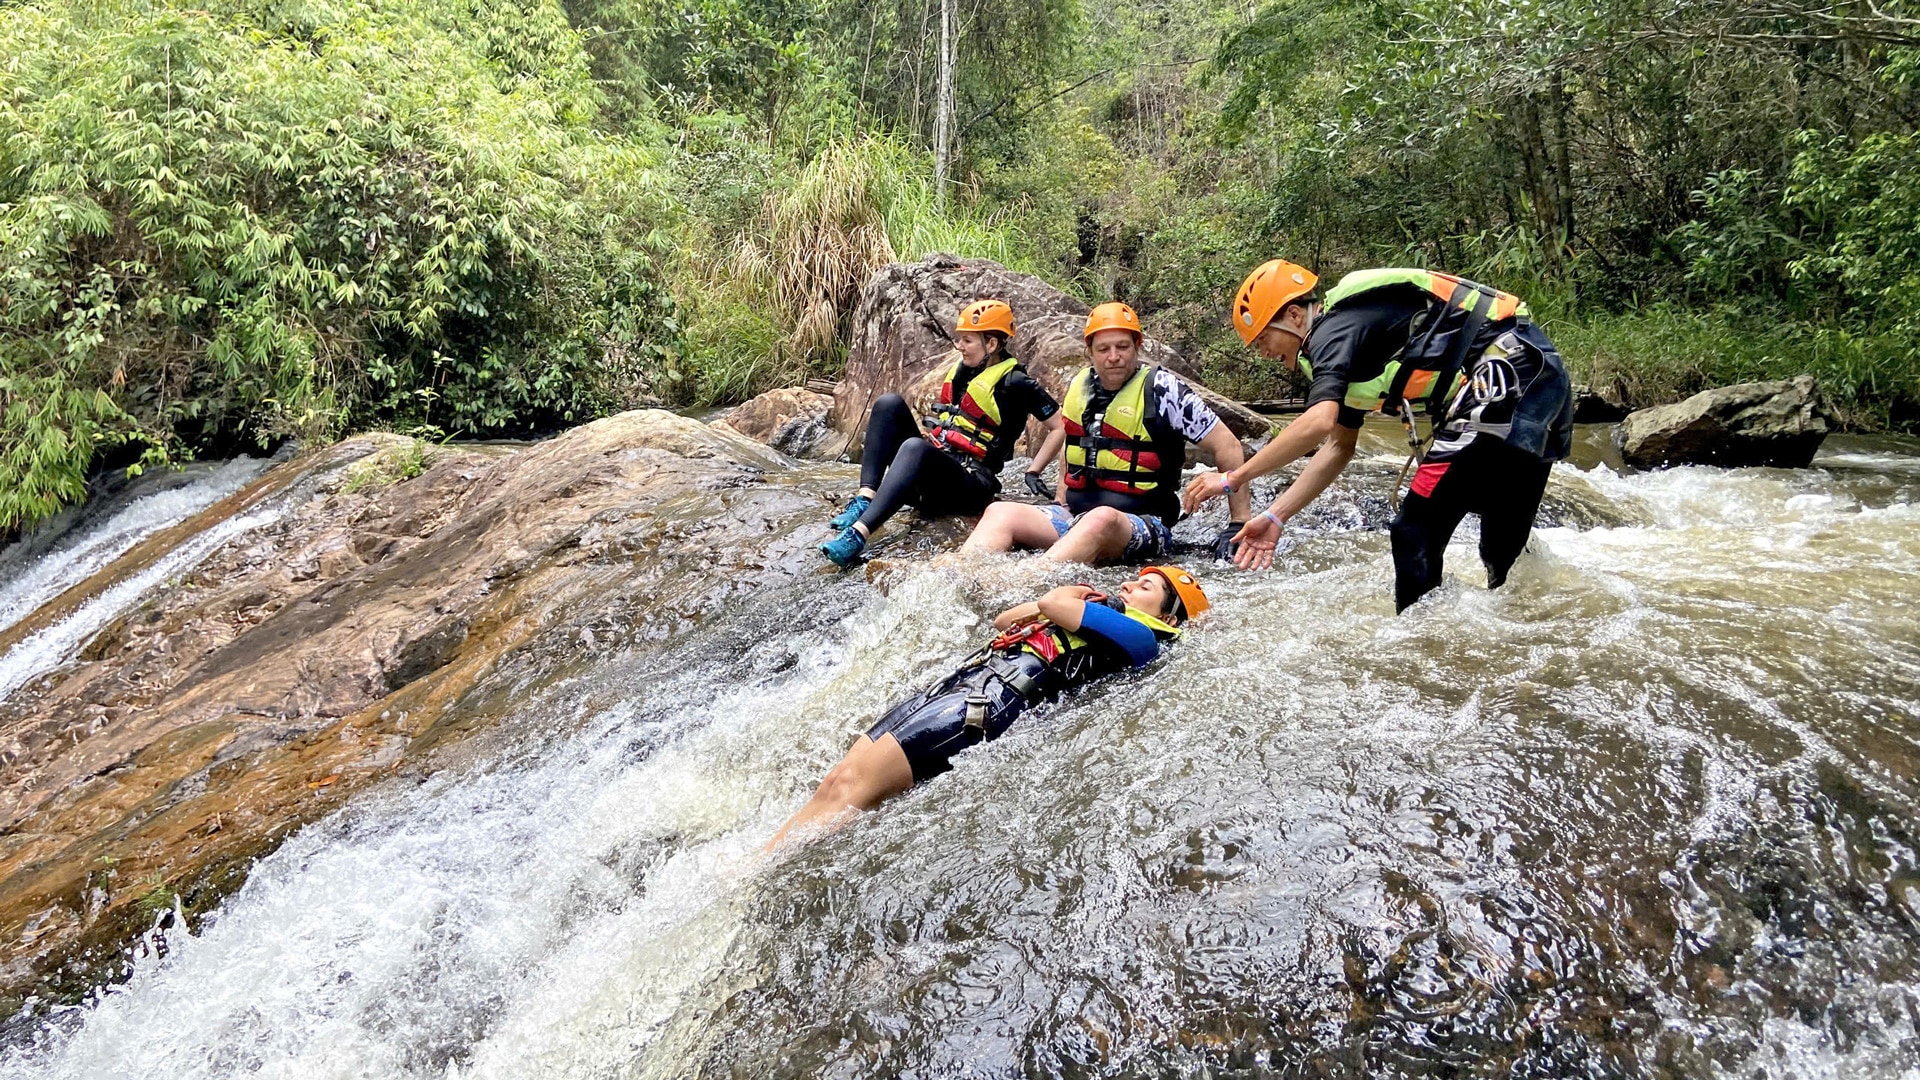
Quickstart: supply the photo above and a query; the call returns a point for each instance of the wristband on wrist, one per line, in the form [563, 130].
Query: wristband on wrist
[1270, 516]
[1226, 483]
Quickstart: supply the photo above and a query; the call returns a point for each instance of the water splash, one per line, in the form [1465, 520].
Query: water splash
[1646, 811]
[57, 644]
[33, 573]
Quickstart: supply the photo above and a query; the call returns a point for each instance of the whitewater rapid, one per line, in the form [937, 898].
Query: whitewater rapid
[1648, 810]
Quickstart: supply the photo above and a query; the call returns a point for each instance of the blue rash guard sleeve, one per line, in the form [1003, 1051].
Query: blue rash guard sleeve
[1128, 635]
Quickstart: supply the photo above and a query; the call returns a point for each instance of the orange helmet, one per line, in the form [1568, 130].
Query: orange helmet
[1185, 586]
[1268, 289]
[983, 315]
[1113, 316]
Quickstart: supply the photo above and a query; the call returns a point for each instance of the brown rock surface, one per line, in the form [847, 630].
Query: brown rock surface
[322, 649]
[792, 420]
[902, 336]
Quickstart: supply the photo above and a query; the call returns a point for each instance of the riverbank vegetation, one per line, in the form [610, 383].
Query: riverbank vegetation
[226, 225]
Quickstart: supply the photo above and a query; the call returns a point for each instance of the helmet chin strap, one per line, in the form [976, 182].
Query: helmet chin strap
[1297, 335]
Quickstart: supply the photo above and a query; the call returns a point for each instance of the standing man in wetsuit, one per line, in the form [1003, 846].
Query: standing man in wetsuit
[1127, 429]
[981, 412]
[1494, 388]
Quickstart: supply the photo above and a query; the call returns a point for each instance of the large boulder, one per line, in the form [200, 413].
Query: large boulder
[341, 609]
[791, 420]
[903, 339]
[1766, 423]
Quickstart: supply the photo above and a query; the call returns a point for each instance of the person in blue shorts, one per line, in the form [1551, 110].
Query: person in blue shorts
[1070, 637]
[1127, 428]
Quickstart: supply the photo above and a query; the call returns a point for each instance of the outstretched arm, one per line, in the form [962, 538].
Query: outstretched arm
[1307, 431]
[1328, 463]
[1261, 535]
[1229, 455]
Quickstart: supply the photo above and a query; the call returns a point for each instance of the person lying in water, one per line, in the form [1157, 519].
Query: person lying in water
[1068, 638]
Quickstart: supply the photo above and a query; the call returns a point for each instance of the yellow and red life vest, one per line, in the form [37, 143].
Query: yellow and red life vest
[1049, 642]
[971, 425]
[1117, 450]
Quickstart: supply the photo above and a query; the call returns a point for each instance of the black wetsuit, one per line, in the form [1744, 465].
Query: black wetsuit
[1499, 477]
[901, 467]
[931, 726]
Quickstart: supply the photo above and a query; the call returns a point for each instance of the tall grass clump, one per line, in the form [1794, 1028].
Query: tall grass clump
[226, 226]
[775, 306]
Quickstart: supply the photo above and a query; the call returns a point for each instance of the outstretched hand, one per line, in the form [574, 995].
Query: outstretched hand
[1207, 485]
[1257, 539]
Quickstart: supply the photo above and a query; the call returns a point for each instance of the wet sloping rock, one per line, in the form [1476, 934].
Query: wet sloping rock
[792, 420]
[902, 339]
[1767, 423]
[322, 650]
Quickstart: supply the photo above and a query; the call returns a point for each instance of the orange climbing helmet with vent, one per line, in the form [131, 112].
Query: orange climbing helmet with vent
[1268, 289]
[984, 315]
[1185, 586]
[1113, 316]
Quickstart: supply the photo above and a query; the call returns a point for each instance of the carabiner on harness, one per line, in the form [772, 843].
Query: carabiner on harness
[1416, 449]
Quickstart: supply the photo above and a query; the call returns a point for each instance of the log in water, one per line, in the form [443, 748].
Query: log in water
[1648, 811]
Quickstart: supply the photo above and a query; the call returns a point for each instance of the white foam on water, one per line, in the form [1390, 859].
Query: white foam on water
[537, 921]
[78, 557]
[560, 916]
[57, 644]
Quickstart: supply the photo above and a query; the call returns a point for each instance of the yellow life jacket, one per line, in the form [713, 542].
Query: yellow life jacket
[1117, 450]
[971, 425]
[1049, 642]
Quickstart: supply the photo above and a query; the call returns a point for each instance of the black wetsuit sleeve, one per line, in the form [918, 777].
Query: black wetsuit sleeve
[1353, 344]
[1019, 393]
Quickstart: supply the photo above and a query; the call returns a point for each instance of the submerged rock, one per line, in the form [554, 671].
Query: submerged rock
[321, 648]
[1766, 423]
[792, 420]
[903, 340]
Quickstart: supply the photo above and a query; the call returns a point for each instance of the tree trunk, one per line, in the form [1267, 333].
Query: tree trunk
[943, 108]
[1562, 167]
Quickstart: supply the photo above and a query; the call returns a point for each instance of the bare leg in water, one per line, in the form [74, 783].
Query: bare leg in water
[871, 773]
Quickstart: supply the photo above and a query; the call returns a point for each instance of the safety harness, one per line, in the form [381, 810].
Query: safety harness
[1045, 640]
[1427, 368]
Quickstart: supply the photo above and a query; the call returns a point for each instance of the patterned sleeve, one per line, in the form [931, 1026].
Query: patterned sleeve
[1182, 409]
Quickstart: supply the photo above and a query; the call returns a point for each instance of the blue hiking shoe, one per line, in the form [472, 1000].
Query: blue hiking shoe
[845, 518]
[845, 549]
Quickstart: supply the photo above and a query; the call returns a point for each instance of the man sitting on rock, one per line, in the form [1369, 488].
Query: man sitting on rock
[1127, 426]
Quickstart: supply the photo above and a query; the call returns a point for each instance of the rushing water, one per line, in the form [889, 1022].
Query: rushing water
[43, 565]
[71, 562]
[1648, 811]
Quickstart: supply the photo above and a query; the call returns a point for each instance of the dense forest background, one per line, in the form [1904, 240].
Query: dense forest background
[222, 226]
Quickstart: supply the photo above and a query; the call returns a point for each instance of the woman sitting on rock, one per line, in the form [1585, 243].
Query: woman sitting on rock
[1068, 638]
[982, 409]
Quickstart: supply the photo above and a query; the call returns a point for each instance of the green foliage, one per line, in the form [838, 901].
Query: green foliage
[273, 218]
[770, 302]
[389, 465]
[248, 224]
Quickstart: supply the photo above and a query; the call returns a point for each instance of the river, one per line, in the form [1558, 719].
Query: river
[1650, 810]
